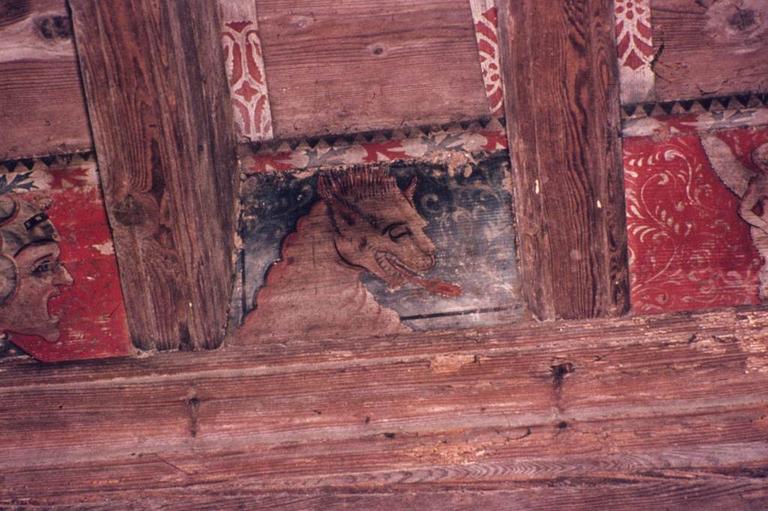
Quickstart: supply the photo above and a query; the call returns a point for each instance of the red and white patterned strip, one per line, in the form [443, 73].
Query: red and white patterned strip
[452, 145]
[245, 71]
[486, 31]
[635, 49]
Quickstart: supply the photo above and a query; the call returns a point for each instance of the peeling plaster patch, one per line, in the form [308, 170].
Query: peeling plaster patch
[756, 349]
[712, 345]
[443, 364]
[106, 248]
[453, 454]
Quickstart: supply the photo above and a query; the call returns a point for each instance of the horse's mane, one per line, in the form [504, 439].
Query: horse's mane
[359, 182]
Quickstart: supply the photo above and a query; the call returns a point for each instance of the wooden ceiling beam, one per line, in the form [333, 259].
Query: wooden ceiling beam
[657, 410]
[562, 108]
[161, 119]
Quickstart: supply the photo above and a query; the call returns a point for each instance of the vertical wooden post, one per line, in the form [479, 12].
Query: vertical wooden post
[161, 119]
[562, 108]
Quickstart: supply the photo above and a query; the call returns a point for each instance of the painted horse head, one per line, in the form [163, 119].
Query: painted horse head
[375, 224]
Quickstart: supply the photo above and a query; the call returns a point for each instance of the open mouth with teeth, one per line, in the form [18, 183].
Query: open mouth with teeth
[399, 273]
[50, 319]
[394, 267]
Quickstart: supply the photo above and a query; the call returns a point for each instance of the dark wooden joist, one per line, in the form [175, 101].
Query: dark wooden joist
[159, 110]
[562, 105]
[657, 412]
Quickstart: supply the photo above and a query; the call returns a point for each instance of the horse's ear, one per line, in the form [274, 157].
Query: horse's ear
[411, 188]
[324, 188]
[343, 216]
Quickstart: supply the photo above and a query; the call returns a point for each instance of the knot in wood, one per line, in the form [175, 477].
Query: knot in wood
[559, 372]
[54, 27]
[738, 21]
[129, 211]
[742, 19]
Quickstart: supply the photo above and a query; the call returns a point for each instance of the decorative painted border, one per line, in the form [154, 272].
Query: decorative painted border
[453, 144]
[634, 45]
[62, 160]
[696, 115]
[244, 63]
[485, 18]
[695, 106]
[53, 173]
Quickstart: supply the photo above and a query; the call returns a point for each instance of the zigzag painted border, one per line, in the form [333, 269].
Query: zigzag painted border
[60, 160]
[695, 106]
[665, 119]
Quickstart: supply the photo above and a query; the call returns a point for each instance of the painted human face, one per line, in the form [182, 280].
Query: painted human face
[41, 276]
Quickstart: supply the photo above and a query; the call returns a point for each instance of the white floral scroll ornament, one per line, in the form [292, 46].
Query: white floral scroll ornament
[634, 43]
[486, 32]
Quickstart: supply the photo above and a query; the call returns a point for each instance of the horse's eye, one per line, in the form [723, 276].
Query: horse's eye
[397, 231]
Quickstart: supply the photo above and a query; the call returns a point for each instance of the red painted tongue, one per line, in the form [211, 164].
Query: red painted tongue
[436, 287]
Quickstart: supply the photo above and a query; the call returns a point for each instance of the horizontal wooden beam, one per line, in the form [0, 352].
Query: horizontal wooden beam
[652, 491]
[161, 118]
[562, 104]
[651, 410]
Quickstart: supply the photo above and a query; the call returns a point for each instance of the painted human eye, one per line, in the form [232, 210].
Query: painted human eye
[43, 268]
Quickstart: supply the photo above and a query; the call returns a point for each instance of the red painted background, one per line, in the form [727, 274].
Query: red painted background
[689, 249]
[93, 323]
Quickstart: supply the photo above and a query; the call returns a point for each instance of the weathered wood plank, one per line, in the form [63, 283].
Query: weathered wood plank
[652, 492]
[709, 48]
[568, 405]
[559, 69]
[41, 102]
[162, 123]
[331, 68]
[336, 67]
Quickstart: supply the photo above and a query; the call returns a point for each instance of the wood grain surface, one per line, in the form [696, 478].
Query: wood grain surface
[566, 495]
[337, 67]
[162, 123]
[331, 68]
[41, 102]
[562, 108]
[663, 412]
[709, 48]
